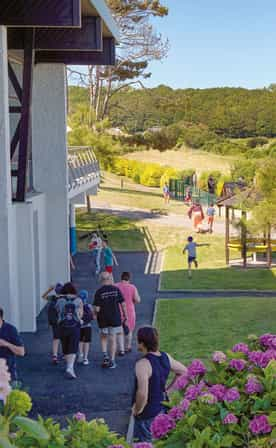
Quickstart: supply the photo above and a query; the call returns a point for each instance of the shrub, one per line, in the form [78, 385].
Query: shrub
[229, 405]
[257, 141]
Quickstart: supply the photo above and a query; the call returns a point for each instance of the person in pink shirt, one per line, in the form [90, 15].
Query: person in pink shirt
[131, 296]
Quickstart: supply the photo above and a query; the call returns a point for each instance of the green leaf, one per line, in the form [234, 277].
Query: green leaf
[32, 428]
[272, 418]
[5, 443]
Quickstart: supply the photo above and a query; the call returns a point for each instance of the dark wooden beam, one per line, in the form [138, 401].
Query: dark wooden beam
[40, 13]
[106, 57]
[25, 115]
[14, 81]
[88, 37]
[227, 236]
[15, 109]
[244, 238]
[15, 139]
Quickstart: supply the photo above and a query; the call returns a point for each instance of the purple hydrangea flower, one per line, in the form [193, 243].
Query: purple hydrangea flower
[231, 395]
[219, 357]
[260, 425]
[260, 359]
[192, 393]
[161, 425]
[241, 347]
[181, 382]
[117, 446]
[176, 413]
[237, 364]
[230, 419]
[207, 397]
[196, 368]
[185, 404]
[80, 417]
[218, 390]
[253, 386]
[268, 340]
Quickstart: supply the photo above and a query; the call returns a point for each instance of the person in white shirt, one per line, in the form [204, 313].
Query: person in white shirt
[191, 249]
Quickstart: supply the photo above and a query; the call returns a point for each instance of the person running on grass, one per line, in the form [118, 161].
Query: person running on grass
[191, 249]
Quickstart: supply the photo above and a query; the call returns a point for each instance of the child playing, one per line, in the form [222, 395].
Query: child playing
[109, 258]
[86, 328]
[211, 216]
[191, 249]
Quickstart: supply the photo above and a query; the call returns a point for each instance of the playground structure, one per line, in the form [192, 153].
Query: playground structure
[178, 190]
[259, 248]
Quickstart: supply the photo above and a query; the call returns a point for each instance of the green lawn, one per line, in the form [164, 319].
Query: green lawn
[212, 272]
[194, 328]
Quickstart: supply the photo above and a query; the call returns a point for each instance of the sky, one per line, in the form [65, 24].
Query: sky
[217, 43]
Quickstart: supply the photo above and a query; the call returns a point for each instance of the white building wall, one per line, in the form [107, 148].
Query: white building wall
[8, 250]
[50, 170]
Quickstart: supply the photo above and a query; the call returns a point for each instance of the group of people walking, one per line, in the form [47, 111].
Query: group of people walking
[70, 316]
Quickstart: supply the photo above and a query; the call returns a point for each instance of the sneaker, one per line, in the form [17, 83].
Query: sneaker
[85, 362]
[105, 362]
[80, 358]
[70, 374]
[121, 353]
[54, 359]
[112, 365]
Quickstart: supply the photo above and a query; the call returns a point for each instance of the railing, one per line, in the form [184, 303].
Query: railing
[83, 167]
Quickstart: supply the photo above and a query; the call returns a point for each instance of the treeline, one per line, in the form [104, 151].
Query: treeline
[230, 112]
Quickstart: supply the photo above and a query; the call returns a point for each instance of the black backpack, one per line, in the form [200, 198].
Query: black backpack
[69, 317]
[52, 312]
[87, 314]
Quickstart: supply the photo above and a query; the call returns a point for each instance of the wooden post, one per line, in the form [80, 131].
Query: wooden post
[227, 235]
[269, 250]
[243, 239]
[88, 203]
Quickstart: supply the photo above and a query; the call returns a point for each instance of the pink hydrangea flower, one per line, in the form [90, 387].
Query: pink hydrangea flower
[230, 419]
[260, 425]
[218, 390]
[253, 386]
[268, 340]
[260, 359]
[185, 404]
[80, 417]
[237, 364]
[219, 357]
[161, 425]
[143, 445]
[231, 395]
[176, 413]
[193, 392]
[241, 347]
[196, 368]
[181, 382]
[207, 397]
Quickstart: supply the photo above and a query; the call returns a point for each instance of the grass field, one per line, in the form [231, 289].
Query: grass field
[194, 328]
[186, 159]
[212, 272]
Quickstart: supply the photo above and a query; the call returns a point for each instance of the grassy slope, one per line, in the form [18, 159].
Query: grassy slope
[212, 272]
[186, 159]
[194, 328]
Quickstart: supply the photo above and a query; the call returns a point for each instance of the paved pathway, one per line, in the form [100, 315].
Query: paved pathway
[96, 392]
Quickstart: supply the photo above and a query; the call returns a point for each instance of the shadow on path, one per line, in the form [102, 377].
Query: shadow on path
[97, 392]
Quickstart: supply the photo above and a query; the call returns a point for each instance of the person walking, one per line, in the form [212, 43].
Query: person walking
[166, 193]
[132, 298]
[152, 372]
[86, 328]
[52, 295]
[109, 258]
[191, 249]
[70, 312]
[196, 212]
[95, 246]
[11, 345]
[108, 299]
[211, 217]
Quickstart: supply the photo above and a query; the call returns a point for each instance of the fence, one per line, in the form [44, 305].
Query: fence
[178, 191]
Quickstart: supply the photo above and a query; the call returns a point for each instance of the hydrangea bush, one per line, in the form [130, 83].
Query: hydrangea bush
[230, 404]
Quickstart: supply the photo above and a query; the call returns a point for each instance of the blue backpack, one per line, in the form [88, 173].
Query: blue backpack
[69, 316]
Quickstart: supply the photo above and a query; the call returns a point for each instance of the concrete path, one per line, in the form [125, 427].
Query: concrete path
[97, 392]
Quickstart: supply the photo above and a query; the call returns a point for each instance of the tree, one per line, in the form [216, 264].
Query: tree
[139, 45]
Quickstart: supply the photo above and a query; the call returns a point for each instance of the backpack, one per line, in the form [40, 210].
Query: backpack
[87, 314]
[68, 315]
[52, 312]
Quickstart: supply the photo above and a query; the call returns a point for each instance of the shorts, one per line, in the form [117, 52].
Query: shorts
[142, 431]
[70, 338]
[86, 334]
[55, 331]
[191, 259]
[109, 269]
[111, 330]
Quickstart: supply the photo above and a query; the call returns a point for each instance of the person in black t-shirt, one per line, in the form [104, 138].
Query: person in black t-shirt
[107, 306]
[11, 345]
